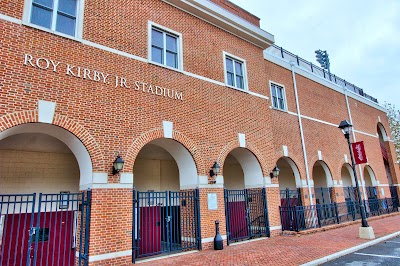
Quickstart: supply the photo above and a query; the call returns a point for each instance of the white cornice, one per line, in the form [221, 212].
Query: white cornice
[225, 20]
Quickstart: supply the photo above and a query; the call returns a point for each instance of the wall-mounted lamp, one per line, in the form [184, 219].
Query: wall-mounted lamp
[215, 169]
[214, 172]
[118, 164]
[275, 172]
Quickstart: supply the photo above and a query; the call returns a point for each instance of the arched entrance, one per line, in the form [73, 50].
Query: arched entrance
[383, 141]
[348, 181]
[40, 177]
[289, 183]
[322, 183]
[245, 198]
[370, 183]
[166, 207]
[290, 193]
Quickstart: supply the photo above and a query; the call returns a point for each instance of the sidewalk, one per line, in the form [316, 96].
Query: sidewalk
[285, 250]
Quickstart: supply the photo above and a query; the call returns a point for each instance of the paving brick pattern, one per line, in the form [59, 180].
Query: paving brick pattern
[286, 249]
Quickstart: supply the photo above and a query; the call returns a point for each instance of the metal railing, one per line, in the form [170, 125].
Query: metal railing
[48, 229]
[246, 214]
[314, 216]
[279, 51]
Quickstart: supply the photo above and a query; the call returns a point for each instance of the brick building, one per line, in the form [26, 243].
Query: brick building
[169, 86]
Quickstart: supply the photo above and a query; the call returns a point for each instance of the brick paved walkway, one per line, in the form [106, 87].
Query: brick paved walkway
[285, 250]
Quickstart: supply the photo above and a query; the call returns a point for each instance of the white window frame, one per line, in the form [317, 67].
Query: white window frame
[26, 20]
[152, 25]
[271, 83]
[244, 70]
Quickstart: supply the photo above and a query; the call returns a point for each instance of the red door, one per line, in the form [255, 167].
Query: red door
[237, 219]
[15, 238]
[55, 244]
[150, 230]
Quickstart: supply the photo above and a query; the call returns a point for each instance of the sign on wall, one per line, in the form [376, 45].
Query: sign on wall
[90, 74]
[359, 152]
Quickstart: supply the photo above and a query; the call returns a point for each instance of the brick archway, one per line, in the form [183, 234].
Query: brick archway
[158, 133]
[230, 146]
[12, 120]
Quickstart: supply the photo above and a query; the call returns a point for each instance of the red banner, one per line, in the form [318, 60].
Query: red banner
[359, 152]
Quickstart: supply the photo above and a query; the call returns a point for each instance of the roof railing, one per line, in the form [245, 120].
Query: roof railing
[279, 51]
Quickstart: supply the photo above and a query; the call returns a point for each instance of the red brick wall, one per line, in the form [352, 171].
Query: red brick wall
[109, 119]
[238, 11]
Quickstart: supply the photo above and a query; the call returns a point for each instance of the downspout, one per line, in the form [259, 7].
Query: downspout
[354, 138]
[303, 144]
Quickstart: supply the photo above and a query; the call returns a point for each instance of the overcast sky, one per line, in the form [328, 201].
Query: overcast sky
[362, 38]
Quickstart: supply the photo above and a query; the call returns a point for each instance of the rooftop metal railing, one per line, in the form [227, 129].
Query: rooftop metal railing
[280, 52]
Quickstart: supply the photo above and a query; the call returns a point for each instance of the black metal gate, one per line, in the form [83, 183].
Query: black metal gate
[52, 229]
[165, 222]
[394, 195]
[246, 214]
[323, 195]
[289, 199]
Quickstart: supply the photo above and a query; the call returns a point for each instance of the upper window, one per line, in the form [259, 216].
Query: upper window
[278, 96]
[235, 72]
[56, 15]
[165, 47]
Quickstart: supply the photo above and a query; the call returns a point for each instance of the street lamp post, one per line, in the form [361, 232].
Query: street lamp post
[345, 126]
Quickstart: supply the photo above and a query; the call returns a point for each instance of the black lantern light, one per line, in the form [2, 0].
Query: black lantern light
[346, 127]
[118, 164]
[275, 172]
[215, 169]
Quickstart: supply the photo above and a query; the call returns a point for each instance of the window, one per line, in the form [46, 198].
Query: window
[278, 96]
[56, 15]
[165, 47]
[235, 72]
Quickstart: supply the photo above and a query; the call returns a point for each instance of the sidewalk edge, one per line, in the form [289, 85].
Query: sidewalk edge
[349, 250]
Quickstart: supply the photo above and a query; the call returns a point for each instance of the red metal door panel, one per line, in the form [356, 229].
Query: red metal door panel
[237, 219]
[150, 230]
[14, 243]
[55, 245]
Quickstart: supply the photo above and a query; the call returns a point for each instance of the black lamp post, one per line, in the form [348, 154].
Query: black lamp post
[346, 127]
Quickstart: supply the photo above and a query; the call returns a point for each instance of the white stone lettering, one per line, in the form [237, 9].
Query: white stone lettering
[179, 96]
[98, 76]
[55, 65]
[70, 70]
[28, 59]
[137, 85]
[44, 65]
[150, 89]
[104, 77]
[86, 74]
[159, 91]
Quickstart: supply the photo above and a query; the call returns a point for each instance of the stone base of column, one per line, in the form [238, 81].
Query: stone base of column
[366, 232]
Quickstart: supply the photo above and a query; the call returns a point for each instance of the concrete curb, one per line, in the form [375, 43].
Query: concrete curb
[350, 250]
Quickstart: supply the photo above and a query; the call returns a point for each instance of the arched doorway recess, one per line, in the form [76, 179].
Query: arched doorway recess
[166, 207]
[245, 196]
[43, 168]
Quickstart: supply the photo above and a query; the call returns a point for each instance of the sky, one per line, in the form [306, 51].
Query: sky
[362, 38]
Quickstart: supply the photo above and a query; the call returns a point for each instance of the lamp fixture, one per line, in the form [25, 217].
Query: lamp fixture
[118, 164]
[215, 169]
[275, 172]
[346, 127]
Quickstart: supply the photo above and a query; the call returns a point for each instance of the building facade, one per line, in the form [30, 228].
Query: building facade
[171, 87]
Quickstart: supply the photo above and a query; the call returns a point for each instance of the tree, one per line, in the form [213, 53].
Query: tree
[394, 122]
